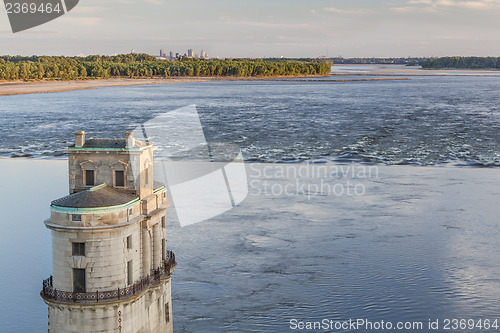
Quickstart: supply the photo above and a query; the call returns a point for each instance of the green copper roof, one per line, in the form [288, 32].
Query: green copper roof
[96, 199]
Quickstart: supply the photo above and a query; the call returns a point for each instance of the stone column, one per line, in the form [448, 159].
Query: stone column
[156, 246]
[146, 252]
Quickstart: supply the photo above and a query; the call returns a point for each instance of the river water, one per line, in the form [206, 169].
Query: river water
[424, 121]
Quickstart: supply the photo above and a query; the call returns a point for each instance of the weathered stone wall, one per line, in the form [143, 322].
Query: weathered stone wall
[95, 219]
[106, 249]
[104, 164]
[105, 260]
[137, 165]
[144, 314]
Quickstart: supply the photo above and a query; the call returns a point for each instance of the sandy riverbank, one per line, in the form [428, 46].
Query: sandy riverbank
[37, 87]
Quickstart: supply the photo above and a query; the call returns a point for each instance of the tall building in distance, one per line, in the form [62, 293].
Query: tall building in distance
[173, 56]
[111, 269]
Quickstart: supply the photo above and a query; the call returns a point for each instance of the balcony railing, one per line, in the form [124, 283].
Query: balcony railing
[48, 291]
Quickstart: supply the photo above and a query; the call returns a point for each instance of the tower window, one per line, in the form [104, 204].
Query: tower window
[129, 242]
[167, 313]
[120, 178]
[163, 222]
[76, 218]
[163, 249]
[130, 278]
[89, 178]
[146, 175]
[79, 249]
[79, 280]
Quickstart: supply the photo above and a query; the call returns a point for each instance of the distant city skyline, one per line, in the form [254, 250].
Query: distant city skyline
[171, 55]
[289, 28]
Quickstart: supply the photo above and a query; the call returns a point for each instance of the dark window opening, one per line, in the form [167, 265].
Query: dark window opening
[129, 242]
[79, 280]
[130, 279]
[89, 178]
[120, 178]
[167, 313]
[163, 222]
[146, 175]
[76, 218]
[163, 249]
[158, 306]
[79, 249]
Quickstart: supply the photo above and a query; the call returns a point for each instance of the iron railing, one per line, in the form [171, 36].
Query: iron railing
[48, 291]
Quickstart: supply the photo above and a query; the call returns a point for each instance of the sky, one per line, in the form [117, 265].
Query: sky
[266, 28]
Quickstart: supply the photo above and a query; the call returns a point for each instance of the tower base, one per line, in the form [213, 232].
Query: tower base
[147, 312]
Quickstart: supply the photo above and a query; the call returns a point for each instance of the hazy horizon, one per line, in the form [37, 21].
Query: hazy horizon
[223, 28]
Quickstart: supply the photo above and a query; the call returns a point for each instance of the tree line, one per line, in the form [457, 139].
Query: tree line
[144, 65]
[463, 62]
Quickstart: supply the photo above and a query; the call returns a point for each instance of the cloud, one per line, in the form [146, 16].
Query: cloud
[336, 10]
[478, 4]
[227, 20]
[420, 2]
[133, 17]
[438, 5]
[88, 10]
[81, 21]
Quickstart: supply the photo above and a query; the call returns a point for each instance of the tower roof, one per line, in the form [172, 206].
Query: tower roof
[127, 143]
[111, 143]
[99, 196]
[105, 143]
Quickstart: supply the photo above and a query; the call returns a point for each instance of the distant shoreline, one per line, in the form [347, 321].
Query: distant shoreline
[403, 70]
[9, 88]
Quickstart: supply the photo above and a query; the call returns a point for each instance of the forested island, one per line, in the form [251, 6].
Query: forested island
[144, 65]
[462, 63]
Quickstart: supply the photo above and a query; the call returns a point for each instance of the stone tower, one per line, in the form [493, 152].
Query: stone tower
[111, 269]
